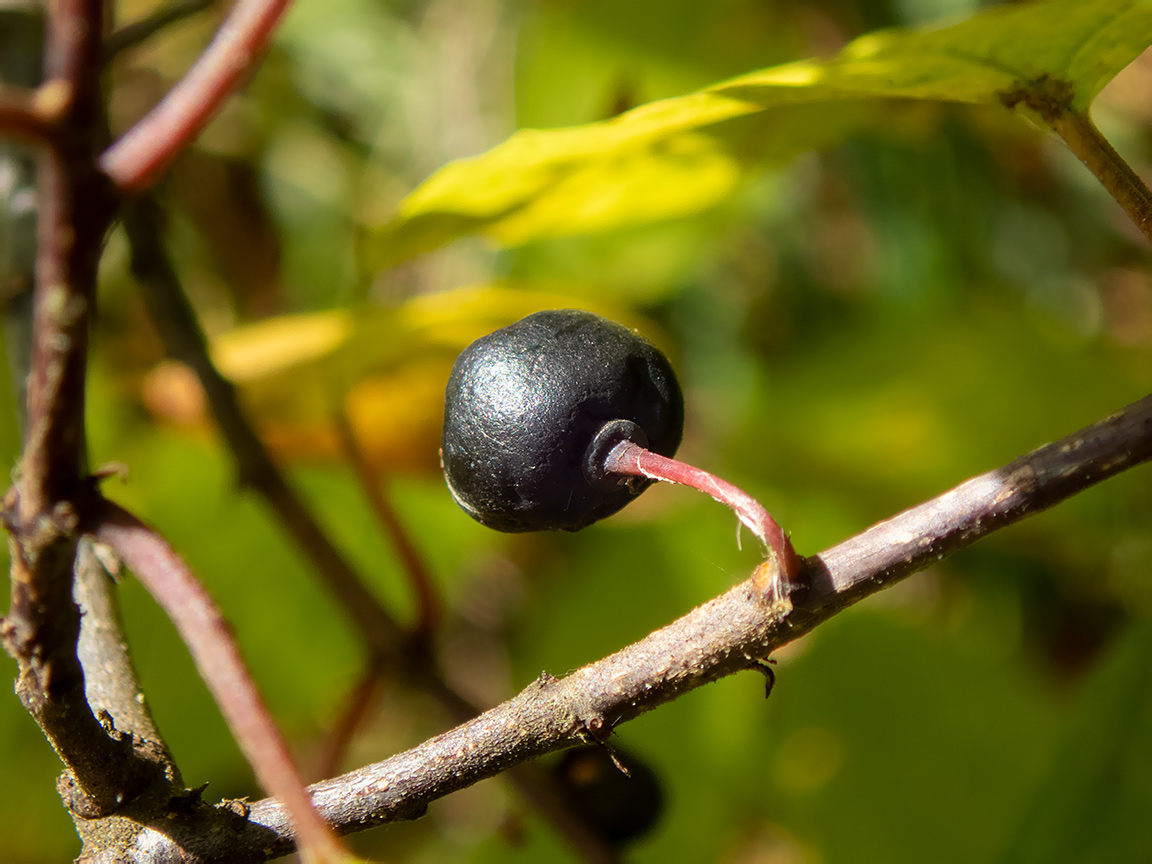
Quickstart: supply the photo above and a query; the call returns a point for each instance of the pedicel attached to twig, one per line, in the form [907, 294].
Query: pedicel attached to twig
[775, 577]
[563, 418]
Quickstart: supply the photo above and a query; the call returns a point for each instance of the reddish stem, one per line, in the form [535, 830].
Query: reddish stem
[351, 717]
[209, 639]
[371, 482]
[783, 564]
[148, 148]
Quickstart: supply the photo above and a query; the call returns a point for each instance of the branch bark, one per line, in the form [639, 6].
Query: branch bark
[210, 641]
[724, 636]
[110, 681]
[730, 633]
[105, 767]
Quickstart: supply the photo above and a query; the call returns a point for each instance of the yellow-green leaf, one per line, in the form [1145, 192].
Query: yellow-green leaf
[1083, 43]
[681, 155]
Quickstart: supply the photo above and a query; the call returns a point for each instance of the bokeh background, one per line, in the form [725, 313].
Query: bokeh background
[856, 330]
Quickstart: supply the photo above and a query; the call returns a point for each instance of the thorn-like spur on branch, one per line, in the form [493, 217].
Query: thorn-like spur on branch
[726, 635]
[217, 656]
[782, 566]
[136, 160]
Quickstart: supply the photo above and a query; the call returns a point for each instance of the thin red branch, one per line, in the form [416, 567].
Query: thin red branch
[74, 50]
[420, 580]
[74, 213]
[136, 160]
[349, 719]
[209, 639]
[61, 311]
[427, 604]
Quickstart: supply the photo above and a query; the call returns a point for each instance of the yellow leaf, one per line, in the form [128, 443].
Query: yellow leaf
[682, 155]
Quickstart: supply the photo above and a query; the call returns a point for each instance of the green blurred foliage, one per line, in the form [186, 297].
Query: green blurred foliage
[857, 329]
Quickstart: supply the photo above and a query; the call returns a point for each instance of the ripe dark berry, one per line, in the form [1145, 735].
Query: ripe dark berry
[525, 404]
[621, 807]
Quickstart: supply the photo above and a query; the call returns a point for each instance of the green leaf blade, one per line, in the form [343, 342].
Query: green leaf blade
[682, 155]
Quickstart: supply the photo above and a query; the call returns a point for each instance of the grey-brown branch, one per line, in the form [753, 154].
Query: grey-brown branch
[720, 638]
[41, 628]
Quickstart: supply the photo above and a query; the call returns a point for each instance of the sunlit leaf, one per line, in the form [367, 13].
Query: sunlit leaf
[1082, 43]
[681, 155]
[676, 176]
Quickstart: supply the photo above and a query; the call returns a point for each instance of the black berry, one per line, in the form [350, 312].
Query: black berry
[619, 807]
[525, 404]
